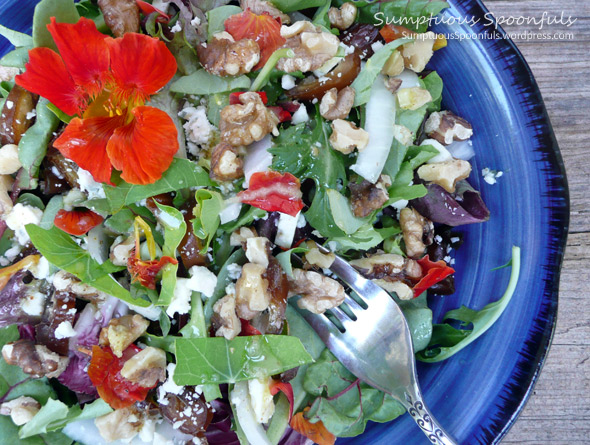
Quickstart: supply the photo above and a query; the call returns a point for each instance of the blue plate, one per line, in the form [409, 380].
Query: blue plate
[478, 393]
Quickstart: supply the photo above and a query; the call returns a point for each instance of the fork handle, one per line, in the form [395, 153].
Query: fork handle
[426, 421]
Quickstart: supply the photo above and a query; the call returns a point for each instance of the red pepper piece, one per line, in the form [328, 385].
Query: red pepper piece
[433, 272]
[234, 98]
[274, 192]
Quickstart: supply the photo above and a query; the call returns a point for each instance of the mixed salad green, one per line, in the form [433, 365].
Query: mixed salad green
[160, 164]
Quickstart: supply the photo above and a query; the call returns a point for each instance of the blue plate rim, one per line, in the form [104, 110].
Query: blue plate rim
[546, 143]
[535, 352]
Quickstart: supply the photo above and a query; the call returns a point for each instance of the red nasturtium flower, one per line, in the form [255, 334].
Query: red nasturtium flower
[77, 222]
[145, 271]
[105, 83]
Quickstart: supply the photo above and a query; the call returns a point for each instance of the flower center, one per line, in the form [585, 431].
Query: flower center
[110, 104]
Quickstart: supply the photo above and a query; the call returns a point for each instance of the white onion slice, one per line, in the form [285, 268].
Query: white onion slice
[379, 121]
[443, 155]
[230, 212]
[253, 430]
[258, 159]
[461, 149]
[409, 79]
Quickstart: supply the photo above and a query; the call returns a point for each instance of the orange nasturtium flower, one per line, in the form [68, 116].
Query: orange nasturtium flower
[105, 83]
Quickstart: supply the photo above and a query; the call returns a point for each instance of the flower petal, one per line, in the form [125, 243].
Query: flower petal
[84, 141]
[140, 64]
[46, 75]
[144, 148]
[84, 51]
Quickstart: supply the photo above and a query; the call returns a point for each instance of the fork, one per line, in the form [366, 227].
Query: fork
[373, 342]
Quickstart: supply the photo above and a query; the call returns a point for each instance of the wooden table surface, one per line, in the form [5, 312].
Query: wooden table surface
[559, 410]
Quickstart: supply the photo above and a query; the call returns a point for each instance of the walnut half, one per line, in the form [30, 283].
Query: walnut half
[123, 331]
[343, 17]
[446, 174]
[312, 47]
[417, 231]
[319, 293]
[223, 56]
[346, 136]
[337, 104]
[120, 16]
[36, 360]
[146, 368]
[225, 163]
[225, 319]
[247, 122]
[366, 197]
[447, 127]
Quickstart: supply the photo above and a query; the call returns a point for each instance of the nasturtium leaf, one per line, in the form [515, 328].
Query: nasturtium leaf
[182, 173]
[217, 360]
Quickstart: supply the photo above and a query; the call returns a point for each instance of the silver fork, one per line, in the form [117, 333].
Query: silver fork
[376, 345]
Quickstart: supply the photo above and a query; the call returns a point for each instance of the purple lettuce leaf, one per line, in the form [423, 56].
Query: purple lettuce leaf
[18, 288]
[219, 431]
[465, 206]
[26, 332]
[87, 328]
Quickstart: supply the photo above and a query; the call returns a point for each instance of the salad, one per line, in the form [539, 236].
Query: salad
[160, 165]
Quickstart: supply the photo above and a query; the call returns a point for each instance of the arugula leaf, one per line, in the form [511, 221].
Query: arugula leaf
[217, 360]
[55, 415]
[308, 154]
[18, 39]
[182, 173]
[447, 341]
[63, 252]
[366, 78]
[343, 403]
[90, 10]
[284, 259]
[64, 11]
[174, 230]
[206, 222]
[321, 16]
[202, 82]
[31, 200]
[364, 238]
[33, 145]
[216, 18]
[16, 58]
